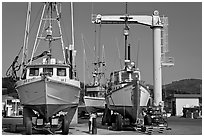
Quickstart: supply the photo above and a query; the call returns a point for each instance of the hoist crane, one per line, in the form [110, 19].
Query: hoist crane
[156, 23]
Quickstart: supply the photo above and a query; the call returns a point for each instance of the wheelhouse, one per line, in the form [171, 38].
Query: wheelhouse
[53, 70]
[123, 76]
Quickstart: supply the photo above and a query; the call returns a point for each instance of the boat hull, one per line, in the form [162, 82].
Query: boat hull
[127, 101]
[94, 104]
[48, 95]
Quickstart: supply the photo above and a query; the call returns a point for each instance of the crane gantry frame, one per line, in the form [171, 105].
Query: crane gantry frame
[155, 23]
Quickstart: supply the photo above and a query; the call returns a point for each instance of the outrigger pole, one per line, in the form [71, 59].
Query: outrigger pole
[25, 43]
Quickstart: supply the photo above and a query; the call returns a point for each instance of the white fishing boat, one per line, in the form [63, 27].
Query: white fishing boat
[125, 94]
[48, 89]
[94, 98]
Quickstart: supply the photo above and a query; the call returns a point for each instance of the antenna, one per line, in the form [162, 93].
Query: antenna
[126, 31]
[125, 7]
[73, 44]
[138, 48]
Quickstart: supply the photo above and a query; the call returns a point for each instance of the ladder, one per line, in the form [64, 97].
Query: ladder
[165, 60]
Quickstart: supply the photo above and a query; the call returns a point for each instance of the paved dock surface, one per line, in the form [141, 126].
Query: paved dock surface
[179, 126]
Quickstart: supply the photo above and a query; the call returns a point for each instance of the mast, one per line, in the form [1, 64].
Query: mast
[49, 29]
[72, 19]
[138, 49]
[126, 31]
[97, 64]
[99, 45]
[48, 18]
[25, 44]
[72, 51]
[96, 50]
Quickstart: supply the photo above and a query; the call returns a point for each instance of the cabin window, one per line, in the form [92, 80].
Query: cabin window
[9, 102]
[125, 76]
[61, 71]
[116, 78]
[135, 76]
[48, 70]
[34, 72]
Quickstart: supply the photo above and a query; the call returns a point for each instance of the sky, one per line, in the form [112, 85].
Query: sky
[184, 36]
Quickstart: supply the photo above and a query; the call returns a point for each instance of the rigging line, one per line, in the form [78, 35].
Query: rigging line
[115, 62]
[138, 48]
[87, 68]
[95, 50]
[65, 32]
[102, 62]
[26, 37]
[105, 69]
[83, 48]
[60, 31]
[84, 59]
[35, 19]
[86, 43]
[131, 35]
[95, 43]
[37, 15]
[92, 8]
[117, 44]
[104, 57]
[38, 41]
[72, 22]
[99, 42]
[37, 34]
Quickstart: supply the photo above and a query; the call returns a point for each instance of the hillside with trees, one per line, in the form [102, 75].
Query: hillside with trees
[185, 86]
